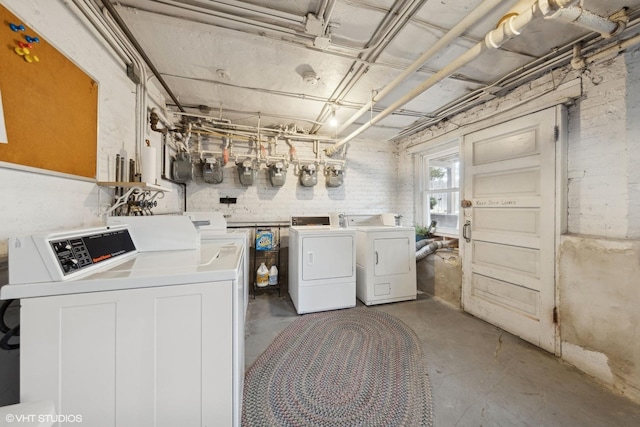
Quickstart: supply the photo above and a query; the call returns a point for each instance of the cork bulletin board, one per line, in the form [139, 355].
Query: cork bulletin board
[50, 105]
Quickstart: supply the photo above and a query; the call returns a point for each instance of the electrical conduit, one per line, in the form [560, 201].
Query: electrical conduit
[473, 17]
[508, 29]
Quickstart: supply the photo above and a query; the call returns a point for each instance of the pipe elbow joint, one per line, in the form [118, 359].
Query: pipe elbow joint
[578, 63]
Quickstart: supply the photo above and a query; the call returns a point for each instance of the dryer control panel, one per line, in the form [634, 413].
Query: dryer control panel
[75, 253]
[310, 221]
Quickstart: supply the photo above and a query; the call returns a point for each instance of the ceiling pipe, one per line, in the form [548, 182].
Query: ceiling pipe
[390, 26]
[589, 20]
[107, 4]
[259, 11]
[580, 62]
[559, 57]
[473, 17]
[508, 29]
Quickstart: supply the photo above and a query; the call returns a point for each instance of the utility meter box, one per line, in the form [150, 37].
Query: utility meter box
[308, 175]
[335, 175]
[277, 174]
[212, 171]
[182, 168]
[246, 172]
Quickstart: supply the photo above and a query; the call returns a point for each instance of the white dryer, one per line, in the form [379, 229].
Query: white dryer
[322, 260]
[385, 259]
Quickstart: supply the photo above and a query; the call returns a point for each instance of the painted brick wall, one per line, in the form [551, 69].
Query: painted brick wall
[598, 170]
[32, 202]
[370, 185]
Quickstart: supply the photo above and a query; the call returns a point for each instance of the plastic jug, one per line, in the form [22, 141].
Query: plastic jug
[273, 275]
[262, 276]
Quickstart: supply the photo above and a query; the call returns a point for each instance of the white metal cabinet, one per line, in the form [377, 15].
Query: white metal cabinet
[160, 356]
[386, 267]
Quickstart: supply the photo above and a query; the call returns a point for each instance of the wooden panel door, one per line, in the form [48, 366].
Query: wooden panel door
[509, 230]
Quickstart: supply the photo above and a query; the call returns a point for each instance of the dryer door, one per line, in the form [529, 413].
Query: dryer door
[391, 256]
[327, 257]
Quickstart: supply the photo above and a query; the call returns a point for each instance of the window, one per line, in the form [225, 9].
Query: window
[441, 191]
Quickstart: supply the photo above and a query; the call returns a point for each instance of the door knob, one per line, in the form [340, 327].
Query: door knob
[465, 203]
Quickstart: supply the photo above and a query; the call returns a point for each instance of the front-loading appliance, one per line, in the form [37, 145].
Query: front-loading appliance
[127, 337]
[322, 264]
[385, 259]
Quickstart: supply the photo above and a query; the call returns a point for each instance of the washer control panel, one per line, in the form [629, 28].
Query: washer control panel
[76, 253]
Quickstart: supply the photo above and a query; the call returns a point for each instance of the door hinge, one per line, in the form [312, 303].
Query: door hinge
[555, 315]
[556, 133]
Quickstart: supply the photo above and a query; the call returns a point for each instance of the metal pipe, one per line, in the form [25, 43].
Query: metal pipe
[107, 4]
[581, 62]
[462, 26]
[322, 8]
[258, 10]
[390, 26]
[589, 20]
[508, 29]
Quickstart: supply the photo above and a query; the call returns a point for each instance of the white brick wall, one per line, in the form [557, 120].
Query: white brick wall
[602, 148]
[33, 202]
[370, 185]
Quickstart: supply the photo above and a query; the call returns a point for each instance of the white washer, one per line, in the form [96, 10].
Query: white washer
[125, 337]
[385, 258]
[322, 258]
[212, 227]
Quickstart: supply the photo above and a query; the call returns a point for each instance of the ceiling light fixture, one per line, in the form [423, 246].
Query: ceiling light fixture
[333, 122]
[310, 78]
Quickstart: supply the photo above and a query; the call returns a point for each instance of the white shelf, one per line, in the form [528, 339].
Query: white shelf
[145, 186]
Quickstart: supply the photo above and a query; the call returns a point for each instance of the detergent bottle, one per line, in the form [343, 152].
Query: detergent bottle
[273, 275]
[262, 276]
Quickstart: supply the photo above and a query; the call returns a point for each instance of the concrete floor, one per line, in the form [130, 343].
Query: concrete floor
[480, 375]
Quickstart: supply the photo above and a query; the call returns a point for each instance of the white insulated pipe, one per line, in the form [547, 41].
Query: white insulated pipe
[473, 17]
[589, 20]
[508, 29]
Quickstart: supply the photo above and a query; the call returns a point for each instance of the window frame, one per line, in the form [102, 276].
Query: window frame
[423, 214]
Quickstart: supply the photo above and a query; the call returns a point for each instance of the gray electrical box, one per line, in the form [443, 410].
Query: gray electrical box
[212, 170]
[308, 175]
[182, 168]
[277, 174]
[335, 175]
[246, 172]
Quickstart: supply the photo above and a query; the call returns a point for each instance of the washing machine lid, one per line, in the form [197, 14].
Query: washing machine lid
[210, 262]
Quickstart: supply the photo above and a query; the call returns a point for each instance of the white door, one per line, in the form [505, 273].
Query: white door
[509, 230]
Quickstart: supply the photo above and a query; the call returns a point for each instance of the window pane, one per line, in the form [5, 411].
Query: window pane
[441, 198]
[438, 177]
[444, 209]
[444, 172]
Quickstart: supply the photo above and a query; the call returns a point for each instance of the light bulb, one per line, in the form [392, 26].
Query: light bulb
[333, 121]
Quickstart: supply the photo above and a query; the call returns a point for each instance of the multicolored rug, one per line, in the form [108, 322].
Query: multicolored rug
[353, 367]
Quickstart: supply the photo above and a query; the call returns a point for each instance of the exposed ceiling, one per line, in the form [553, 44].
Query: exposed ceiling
[282, 62]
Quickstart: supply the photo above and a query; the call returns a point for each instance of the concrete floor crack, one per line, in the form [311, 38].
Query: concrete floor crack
[498, 348]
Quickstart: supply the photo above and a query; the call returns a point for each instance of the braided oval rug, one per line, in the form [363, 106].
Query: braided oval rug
[352, 367]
